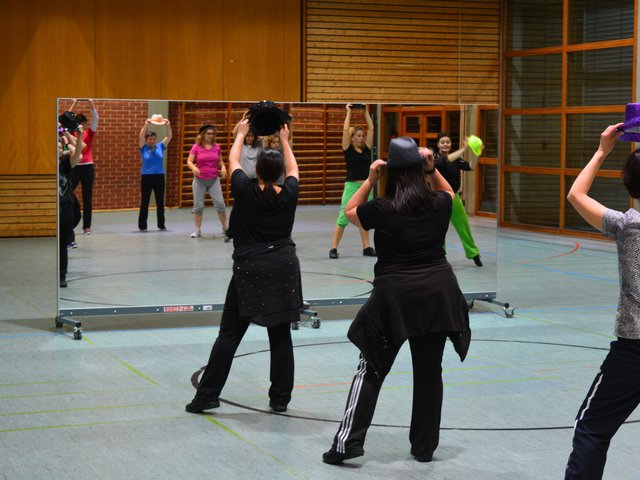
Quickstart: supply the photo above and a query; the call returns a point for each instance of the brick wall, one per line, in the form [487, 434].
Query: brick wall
[117, 158]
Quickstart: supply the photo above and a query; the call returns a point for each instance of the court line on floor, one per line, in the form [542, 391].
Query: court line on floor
[195, 376]
[564, 325]
[566, 272]
[255, 447]
[575, 248]
[91, 424]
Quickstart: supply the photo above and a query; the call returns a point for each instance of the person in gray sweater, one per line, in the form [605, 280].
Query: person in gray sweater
[615, 392]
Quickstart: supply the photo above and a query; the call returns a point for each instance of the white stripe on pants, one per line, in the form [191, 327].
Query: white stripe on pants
[349, 413]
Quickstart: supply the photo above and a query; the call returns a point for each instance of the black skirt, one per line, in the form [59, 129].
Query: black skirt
[410, 302]
[267, 282]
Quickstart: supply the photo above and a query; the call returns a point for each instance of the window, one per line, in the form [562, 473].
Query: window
[596, 21]
[561, 91]
[534, 81]
[534, 24]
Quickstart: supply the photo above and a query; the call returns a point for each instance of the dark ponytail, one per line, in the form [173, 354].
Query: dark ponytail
[269, 168]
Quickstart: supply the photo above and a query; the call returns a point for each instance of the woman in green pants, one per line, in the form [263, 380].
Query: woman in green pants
[450, 165]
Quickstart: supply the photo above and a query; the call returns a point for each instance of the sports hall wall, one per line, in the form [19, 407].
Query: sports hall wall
[285, 50]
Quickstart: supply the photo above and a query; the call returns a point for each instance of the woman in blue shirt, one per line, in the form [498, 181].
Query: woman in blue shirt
[152, 173]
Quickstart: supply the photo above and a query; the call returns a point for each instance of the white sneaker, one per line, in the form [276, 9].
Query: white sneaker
[196, 234]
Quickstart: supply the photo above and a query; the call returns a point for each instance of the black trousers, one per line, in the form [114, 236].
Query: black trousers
[424, 435]
[613, 396]
[151, 183]
[85, 174]
[66, 234]
[232, 329]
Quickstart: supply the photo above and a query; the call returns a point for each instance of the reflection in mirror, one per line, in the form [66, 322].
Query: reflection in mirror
[120, 269]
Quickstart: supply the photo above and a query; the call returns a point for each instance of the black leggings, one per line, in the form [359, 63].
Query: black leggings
[85, 174]
[232, 329]
[151, 183]
[65, 236]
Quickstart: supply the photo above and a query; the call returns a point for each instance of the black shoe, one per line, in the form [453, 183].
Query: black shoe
[369, 252]
[333, 457]
[199, 406]
[63, 283]
[333, 253]
[277, 408]
[423, 457]
[477, 261]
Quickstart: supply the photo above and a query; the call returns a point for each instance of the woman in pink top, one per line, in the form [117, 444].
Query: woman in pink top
[205, 161]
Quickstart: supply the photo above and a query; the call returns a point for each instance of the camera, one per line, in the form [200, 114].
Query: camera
[358, 106]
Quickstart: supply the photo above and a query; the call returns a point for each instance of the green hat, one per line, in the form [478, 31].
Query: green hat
[475, 144]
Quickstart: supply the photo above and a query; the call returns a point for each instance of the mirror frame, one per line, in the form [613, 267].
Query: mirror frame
[382, 130]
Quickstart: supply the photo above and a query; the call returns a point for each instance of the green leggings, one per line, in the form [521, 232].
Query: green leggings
[461, 224]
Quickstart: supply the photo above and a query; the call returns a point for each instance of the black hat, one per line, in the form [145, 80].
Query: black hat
[403, 153]
[69, 121]
[266, 118]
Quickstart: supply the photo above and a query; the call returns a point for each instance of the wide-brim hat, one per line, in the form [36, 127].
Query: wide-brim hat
[266, 118]
[403, 153]
[157, 119]
[475, 144]
[631, 127]
[69, 121]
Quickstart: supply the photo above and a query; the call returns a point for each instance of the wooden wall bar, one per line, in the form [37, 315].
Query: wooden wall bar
[403, 51]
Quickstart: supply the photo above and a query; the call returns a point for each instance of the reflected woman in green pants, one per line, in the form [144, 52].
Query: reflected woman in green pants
[450, 165]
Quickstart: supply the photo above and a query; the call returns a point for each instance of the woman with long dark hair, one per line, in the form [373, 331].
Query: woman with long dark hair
[450, 165]
[415, 296]
[69, 156]
[266, 286]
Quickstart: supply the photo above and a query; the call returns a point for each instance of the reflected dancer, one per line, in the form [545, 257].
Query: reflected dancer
[152, 170]
[450, 165]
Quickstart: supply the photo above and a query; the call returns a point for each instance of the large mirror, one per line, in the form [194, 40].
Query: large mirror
[120, 269]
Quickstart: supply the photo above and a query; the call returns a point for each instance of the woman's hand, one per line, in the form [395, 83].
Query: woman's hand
[196, 171]
[375, 170]
[429, 159]
[609, 137]
[284, 134]
[243, 128]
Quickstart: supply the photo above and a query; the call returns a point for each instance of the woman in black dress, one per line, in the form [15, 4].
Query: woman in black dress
[266, 286]
[415, 296]
[69, 156]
